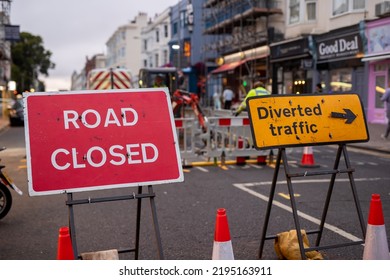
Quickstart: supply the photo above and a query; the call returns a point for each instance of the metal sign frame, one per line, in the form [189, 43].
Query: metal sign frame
[282, 157]
[139, 196]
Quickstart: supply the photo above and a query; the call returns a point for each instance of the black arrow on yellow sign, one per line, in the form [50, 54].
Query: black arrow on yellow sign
[349, 116]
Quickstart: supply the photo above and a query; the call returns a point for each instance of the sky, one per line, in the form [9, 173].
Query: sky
[75, 29]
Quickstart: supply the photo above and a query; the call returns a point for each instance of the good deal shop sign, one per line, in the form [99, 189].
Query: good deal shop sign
[90, 140]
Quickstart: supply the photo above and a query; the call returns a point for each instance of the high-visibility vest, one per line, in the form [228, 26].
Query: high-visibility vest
[253, 92]
[257, 91]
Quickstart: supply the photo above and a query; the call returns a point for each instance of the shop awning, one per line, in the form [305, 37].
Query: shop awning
[375, 57]
[228, 66]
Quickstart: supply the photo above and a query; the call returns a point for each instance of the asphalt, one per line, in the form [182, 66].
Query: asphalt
[375, 143]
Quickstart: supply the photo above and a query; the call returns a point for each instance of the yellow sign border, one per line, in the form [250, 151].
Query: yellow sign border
[312, 119]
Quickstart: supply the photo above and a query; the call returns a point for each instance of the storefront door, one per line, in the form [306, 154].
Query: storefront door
[380, 85]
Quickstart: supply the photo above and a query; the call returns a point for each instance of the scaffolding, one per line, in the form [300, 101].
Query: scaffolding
[239, 26]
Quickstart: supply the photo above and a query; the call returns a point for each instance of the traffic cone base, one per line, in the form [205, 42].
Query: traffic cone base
[375, 244]
[222, 247]
[222, 251]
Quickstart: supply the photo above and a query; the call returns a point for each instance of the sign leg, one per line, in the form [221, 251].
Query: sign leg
[270, 200]
[155, 223]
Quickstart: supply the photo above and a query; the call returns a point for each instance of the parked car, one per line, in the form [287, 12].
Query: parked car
[15, 111]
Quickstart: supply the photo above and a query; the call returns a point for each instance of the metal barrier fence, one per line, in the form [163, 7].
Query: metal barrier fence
[226, 137]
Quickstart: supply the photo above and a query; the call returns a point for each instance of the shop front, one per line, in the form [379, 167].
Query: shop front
[292, 66]
[237, 70]
[378, 59]
[338, 61]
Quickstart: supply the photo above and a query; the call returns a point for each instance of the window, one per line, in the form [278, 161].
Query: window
[341, 80]
[165, 56]
[359, 4]
[187, 49]
[345, 6]
[311, 12]
[340, 7]
[156, 58]
[183, 19]
[294, 11]
[157, 36]
[166, 31]
[145, 45]
[301, 11]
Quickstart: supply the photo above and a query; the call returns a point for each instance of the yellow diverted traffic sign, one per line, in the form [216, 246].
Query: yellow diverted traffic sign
[310, 119]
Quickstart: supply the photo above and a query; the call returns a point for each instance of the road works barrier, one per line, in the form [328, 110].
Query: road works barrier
[225, 138]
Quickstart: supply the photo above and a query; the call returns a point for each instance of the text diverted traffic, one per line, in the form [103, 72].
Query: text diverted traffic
[295, 128]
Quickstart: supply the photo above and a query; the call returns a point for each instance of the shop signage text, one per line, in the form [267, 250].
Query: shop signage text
[339, 47]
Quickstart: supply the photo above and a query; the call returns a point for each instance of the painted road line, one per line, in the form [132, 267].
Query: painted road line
[268, 183]
[256, 166]
[287, 196]
[201, 169]
[301, 214]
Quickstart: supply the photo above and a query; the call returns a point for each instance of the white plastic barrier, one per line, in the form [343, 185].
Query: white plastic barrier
[225, 138]
[186, 129]
[231, 137]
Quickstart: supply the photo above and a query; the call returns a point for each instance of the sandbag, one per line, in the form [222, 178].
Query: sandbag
[287, 246]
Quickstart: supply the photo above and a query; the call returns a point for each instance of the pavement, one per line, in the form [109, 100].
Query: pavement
[376, 143]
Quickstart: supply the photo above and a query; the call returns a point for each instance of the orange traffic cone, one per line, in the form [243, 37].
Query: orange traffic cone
[222, 248]
[65, 249]
[375, 246]
[308, 158]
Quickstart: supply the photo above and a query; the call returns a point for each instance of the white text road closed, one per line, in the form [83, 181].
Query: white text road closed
[93, 140]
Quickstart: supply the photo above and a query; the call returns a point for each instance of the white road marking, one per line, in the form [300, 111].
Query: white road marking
[268, 183]
[246, 188]
[201, 169]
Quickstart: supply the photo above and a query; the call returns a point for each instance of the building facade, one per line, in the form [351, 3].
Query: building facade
[243, 32]
[338, 45]
[293, 45]
[8, 34]
[154, 39]
[187, 51]
[124, 45]
[377, 59]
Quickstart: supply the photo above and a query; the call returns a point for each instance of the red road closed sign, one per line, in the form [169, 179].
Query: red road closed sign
[90, 140]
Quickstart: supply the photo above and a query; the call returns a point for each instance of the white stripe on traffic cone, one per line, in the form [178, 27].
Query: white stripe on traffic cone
[222, 248]
[308, 158]
[376, 246]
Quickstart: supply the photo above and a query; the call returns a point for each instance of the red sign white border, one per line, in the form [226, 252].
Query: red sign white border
[32, 192]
